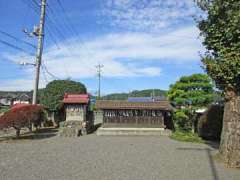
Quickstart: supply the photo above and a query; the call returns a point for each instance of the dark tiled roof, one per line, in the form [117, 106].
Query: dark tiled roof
[14, 94]
[107, 104]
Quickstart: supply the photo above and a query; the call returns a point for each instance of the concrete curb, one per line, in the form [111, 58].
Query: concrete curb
[133, 132]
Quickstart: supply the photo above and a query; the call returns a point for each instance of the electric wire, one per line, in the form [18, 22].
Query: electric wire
[44, 75]
[67, 18]
[17, 39]
[15, 47]
[48, 72]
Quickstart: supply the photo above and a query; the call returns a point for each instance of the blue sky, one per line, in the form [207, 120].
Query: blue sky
[141, 43]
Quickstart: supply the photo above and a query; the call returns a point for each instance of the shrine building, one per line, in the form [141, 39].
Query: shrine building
[76, 107]
[127, 114]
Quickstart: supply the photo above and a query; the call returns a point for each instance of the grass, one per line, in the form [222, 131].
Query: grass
[4, 109]
[186, 137]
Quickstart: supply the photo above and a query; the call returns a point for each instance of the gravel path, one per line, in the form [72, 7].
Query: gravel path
[110, 158]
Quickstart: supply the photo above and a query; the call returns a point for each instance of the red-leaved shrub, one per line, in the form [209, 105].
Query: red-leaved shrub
[23, 116]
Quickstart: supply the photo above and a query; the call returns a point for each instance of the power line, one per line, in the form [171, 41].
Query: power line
[48, 72]
[16, 39]
[15, 47]
[31, 5]
[35, 6]
[36, 3]
[67, 18]
[67, 22]
[51, 36]
[72, 27]
[62, 20]
[55, 27]
[44, 75]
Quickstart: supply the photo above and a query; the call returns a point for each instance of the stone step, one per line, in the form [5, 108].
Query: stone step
[133, 132]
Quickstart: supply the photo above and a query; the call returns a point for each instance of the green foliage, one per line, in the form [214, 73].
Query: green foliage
[116, 96]
[190, 93]
[52, 96]
[182, 120]
[186, 137]
[136, 93]
[195, 90]
[4, 109]
[221, 34]
[147, 93]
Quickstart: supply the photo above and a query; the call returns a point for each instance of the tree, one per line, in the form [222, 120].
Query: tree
[190, 93]
[51, 97]
[195, 90]
[221, 37]
[23, 116]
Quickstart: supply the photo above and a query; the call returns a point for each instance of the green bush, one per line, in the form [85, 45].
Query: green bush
[186, 137]
[182, 120]
[210, 123]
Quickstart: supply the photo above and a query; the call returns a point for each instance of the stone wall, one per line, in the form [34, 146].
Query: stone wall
[72, 129]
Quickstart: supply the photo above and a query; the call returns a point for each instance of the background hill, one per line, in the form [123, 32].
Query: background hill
[135, 93]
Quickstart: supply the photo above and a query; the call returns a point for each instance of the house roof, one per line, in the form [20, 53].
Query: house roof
[76, 99]
[23, 97]
[108, 104]
[14, 94]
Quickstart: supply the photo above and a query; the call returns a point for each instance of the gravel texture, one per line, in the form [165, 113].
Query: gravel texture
[109, 158]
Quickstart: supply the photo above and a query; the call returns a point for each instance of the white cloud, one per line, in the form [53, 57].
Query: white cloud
[150, 30]
[19, 84]
[148, 15]
[179, 46]
[120, 53]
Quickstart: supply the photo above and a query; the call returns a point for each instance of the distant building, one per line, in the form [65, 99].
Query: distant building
[8, 98]
[22, 99]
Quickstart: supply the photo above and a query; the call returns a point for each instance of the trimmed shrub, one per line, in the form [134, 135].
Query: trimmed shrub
[210, 123]
[23, 116]
[182, 120]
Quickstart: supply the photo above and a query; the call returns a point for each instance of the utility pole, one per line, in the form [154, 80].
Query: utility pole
[99, 71]
[39, 32]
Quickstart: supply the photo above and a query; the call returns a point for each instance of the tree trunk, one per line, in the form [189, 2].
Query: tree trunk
[230, 137]
[17, 133]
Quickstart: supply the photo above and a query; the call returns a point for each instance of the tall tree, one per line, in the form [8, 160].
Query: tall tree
[195, 90]
[221, 37]
[52, 96]
[190, 93]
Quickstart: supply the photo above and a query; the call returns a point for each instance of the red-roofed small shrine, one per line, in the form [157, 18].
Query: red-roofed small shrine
[76, 106]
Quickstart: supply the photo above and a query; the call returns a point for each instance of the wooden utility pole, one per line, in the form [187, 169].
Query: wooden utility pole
[39, 32]
[99, 71]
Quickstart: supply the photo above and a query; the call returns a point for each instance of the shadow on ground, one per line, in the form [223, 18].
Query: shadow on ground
[36, 135]
[209, 155]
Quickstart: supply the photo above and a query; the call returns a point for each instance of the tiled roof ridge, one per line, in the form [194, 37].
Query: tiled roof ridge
[123, 104]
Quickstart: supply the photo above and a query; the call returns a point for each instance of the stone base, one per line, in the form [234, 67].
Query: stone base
[71, 129]
[133, 132]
